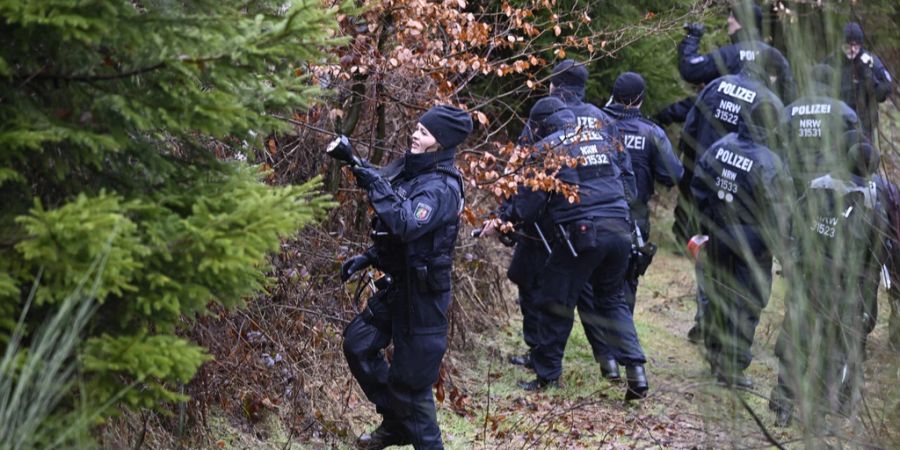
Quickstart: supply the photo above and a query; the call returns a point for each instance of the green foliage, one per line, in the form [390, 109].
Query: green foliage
[124, 126]
[35, 378]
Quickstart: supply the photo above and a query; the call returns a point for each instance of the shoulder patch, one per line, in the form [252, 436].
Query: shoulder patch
[423, 212]
[697, 59]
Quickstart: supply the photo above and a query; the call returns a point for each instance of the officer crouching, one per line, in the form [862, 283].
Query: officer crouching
[414, 231]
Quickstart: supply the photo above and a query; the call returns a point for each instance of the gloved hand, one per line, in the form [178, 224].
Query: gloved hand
[353, 265]
[867, 60]
[695, 29]
[365, 176]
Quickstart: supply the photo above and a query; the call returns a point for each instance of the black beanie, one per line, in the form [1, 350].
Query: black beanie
[569, 73]
[853, 33]
[628, 88]
[737, 12]
[863, 159]
[545, 108]
[448, 124]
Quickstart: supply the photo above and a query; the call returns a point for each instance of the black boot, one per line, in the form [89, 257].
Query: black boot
[522, 360]
[782, 406]
[610, 369]
[783, 416]
[695, 334]
[637, 383]
[538, 384]
[384, 436]
[735, 380]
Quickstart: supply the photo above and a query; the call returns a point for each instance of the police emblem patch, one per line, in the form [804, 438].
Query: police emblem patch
[423, 212]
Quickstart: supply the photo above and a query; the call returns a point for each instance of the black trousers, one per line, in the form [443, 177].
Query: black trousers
[565, 276]
[737, 283]
[532, 256]
[416, 322]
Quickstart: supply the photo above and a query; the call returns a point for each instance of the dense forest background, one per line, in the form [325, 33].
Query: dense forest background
[171, 232]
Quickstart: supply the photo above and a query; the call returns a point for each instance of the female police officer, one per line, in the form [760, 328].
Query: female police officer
[414, 231]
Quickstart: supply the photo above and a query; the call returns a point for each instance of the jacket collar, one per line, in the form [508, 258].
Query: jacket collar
[622, 112]
[570, 95]
[417, 164]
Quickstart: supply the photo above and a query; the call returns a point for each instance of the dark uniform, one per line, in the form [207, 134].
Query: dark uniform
[598, 229]
[414, 231]
[568, 80]
[651, 154]
[746, 47]
[865, 82]
[889, 199]
[741, 187]
[745, 50]
[837, 235]
[720, 105]
[720, 109]
[815, 126]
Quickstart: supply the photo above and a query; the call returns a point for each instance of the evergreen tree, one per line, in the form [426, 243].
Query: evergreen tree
[123, 125]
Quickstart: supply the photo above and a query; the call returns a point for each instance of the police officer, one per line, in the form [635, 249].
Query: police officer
[839, 228]
[865, 82]
[414, 231]
[740, 186]
[568, 81]
[816, 124]
[745, 24]
[651, 154]
[889, 199]
[720, 109]
[592, 246]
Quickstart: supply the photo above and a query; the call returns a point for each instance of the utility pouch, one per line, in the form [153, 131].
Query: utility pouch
[422, 278]
[583, 235]
[436, 279]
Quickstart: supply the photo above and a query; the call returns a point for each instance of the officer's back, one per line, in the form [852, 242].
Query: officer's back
[598, 176]
[648, 146]
[815, 126]
[740, 182]
[722, 105]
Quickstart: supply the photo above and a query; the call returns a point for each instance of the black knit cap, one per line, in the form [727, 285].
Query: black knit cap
[853, 33]
[448, 124]
[628, 88]
[739, 12]
[569, 73]
[545, 108]
[862, 157]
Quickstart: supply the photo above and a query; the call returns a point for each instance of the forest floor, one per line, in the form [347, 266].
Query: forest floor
[480, 405]
[483, 407]
[686, 408]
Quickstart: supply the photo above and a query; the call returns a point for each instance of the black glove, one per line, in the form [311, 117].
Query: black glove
[365, 176]
[353, 265]
[695, 29]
